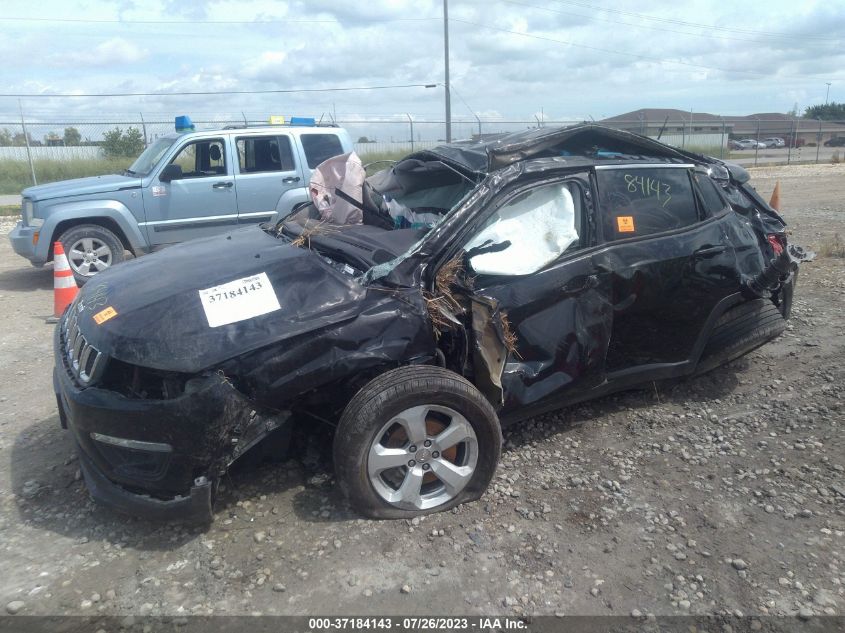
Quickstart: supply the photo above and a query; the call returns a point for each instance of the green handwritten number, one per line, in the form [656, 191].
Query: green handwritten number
[666, 191]
[648, 187]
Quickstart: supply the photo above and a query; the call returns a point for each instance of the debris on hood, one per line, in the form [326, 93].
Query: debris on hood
[444, 306]
[313, 227]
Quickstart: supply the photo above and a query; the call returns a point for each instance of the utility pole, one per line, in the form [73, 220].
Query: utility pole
[26, 142]
[446, 60]
[827, 94]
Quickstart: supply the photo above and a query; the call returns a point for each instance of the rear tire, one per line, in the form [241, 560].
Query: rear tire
[90, 249]
[419, 404]
[740, 330]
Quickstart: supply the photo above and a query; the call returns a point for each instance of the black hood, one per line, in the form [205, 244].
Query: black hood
[161, 323]
[483, 157]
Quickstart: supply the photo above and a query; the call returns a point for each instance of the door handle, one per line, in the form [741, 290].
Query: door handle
[222, 185]
[290, 179]
[709, 251]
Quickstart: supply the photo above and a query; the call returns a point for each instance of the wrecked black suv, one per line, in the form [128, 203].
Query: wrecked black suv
[481, 283]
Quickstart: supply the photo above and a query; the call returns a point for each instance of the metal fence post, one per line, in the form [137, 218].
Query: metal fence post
[411, 122]
[791, 141]
[26, 142]
[479, 125]
[757, 145]
[818, 141]
[143, 127]
[722, 142]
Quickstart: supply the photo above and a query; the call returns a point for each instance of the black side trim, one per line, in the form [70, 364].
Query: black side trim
[256, 219]
[159, 228]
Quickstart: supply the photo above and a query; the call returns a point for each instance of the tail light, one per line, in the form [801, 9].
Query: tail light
[777, 242]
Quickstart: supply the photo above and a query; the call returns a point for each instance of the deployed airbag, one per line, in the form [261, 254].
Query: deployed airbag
[540, 226]
[346, 173]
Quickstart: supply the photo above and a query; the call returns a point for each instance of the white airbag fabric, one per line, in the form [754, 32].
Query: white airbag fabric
[343, 172]
[539, 226]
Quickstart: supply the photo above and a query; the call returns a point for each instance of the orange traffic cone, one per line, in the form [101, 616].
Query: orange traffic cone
[64, 285]
[775, 201]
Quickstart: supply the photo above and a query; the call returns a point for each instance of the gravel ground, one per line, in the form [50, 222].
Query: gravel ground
[718, 495]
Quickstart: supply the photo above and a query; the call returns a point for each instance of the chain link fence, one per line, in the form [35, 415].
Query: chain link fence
[66, 148]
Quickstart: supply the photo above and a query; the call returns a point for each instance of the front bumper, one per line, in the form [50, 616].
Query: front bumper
[21, 238]
[157, 458]
[196, 506]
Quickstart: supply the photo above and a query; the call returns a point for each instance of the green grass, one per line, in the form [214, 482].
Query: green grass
[15, 175]
[7, 210]
[379, 156]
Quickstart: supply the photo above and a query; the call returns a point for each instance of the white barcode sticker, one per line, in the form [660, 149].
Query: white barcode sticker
[239, 300]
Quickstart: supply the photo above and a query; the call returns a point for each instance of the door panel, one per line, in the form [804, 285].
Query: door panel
[663, 290]
[667, 266]
[200, 203]
[562, 321]
[267, 168]
[532, 256]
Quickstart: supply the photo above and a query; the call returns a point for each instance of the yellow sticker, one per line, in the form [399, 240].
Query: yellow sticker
[625, 223]
[104, 315]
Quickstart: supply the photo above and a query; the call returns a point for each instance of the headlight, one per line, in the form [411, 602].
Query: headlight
[27, 212]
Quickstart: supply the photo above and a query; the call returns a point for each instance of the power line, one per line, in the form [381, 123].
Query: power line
[195, 22]
[699, 25]
[593, 18]
[607, 50]
[216, 92]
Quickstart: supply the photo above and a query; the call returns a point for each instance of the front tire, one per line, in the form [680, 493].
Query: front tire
[416, 440]
[90, 249]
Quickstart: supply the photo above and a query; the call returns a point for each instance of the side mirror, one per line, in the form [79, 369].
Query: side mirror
[170, 172]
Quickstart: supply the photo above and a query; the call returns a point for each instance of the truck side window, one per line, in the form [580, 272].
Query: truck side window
[714, 201]
[258, 154]
[319, 147]
[638, 201]
[201, 159]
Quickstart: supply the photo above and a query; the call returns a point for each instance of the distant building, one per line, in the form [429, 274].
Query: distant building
[675, 127]
[694, 127]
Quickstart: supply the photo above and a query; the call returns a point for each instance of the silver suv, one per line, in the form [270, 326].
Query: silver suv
[184, 185]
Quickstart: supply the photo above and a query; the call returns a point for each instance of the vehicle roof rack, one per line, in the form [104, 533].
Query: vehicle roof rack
[241, 126]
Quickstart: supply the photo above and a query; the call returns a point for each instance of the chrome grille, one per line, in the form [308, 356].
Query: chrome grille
[84, 360]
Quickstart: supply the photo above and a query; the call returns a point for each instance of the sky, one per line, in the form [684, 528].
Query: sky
[512, 60]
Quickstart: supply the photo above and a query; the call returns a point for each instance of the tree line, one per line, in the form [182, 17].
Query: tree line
[115, 143]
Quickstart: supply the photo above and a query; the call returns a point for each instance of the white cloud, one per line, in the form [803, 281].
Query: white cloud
[107, 54]
[498, 75]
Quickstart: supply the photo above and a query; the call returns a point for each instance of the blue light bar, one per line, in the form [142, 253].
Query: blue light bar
[184, 124]
[303, 120]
